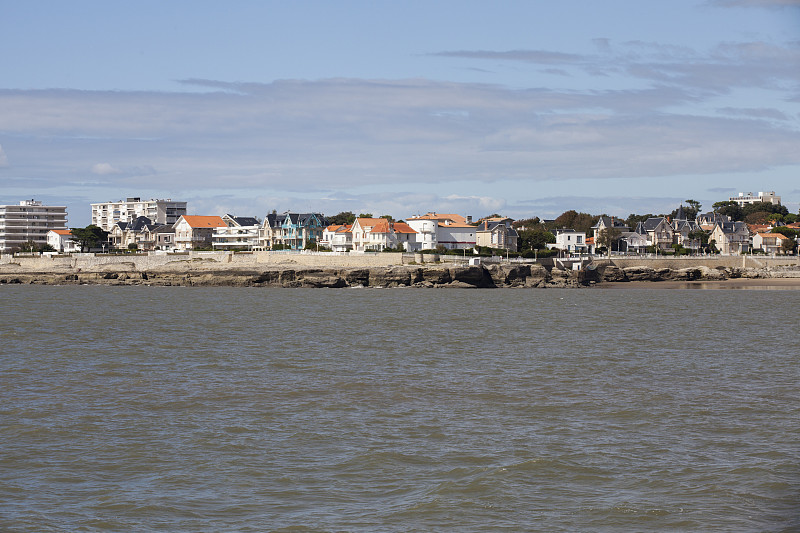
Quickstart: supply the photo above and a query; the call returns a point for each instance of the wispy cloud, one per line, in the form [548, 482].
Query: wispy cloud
[756, 3]
[3, 157]
[726, 66]
[103, 169]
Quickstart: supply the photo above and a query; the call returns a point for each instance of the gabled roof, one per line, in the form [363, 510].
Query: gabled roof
[402, 227]
[776, 235]
[653, 222]
[201, 221]
[275, 220]
[732, 227]
[448, 219]
[608, 222]
[242, 221]
[141, 223]
[62, 231]
[369, 222]
[491, 224]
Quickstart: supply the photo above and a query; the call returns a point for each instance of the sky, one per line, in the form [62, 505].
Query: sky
[521, 108]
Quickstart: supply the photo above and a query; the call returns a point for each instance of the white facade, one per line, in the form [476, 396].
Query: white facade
[106, 214]
[61, 241]
[750, 198]
[770, 243]
[29, 221]
[570, 240]
[449, 230]
[235, 238]
[338, 237]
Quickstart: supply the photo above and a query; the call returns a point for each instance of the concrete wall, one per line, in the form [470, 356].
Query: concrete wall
[197, 260]
[728, 261]
[200, 260]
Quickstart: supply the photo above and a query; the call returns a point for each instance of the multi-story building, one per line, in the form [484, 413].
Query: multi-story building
[749, 198]
[497, 232]
[106, 214]
[29, 221]
[291, 230]
[240, 233]
[196, 231]
[449, 230]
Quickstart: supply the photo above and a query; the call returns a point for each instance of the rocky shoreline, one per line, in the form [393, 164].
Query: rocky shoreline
[428, 276]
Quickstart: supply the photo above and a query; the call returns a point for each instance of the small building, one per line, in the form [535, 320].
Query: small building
[137, 232]
[744, 199]
[570, 240]
[771, 243]
[239, 233]
[338, 237]
[291, 230]
[658, 231]
[449, 230]
[61, 241]
[497, 233]
[196, 231]
[730, 238]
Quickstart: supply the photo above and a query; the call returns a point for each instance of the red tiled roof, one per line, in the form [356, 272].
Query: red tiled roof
[402, 227]
[199, 221]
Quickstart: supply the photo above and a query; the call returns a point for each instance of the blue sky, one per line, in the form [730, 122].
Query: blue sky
[523, 108]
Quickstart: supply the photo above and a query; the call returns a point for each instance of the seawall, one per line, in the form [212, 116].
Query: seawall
[374, 270]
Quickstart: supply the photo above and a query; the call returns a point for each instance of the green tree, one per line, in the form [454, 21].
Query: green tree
[701, 236]
[574, 220]
[133, 246]
[633, 220]
[345, 217]
[89, 237]
[788, 246]
[534, 239]
[729, 208]
[787, 232]
[365, 215]
[693, 210]
[607, 238]
[390, 218]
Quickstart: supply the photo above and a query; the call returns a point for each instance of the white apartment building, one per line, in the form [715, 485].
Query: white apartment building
[450, 230]
[749, 198]
[106, 214]
[29, 221]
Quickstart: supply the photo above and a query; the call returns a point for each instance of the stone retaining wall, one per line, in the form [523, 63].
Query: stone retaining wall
[678, 263]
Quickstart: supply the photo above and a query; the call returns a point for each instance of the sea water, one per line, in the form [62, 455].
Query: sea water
[251, 409]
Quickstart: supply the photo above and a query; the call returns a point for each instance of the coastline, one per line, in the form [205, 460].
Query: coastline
[723, 284]
[292, 271]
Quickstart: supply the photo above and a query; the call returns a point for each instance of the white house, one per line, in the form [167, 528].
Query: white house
[446, 229]
[730, 237]
[771, 243]
[338, 237]
[239, 233]
[61, 240]
[570, 240]
[379, 234]
[193, 231]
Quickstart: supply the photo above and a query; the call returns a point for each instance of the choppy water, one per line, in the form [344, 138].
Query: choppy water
[231, 409]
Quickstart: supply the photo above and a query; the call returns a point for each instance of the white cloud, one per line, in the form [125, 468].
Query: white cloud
[104, 169]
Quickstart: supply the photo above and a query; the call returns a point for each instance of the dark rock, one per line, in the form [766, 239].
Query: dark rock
[472, 275]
